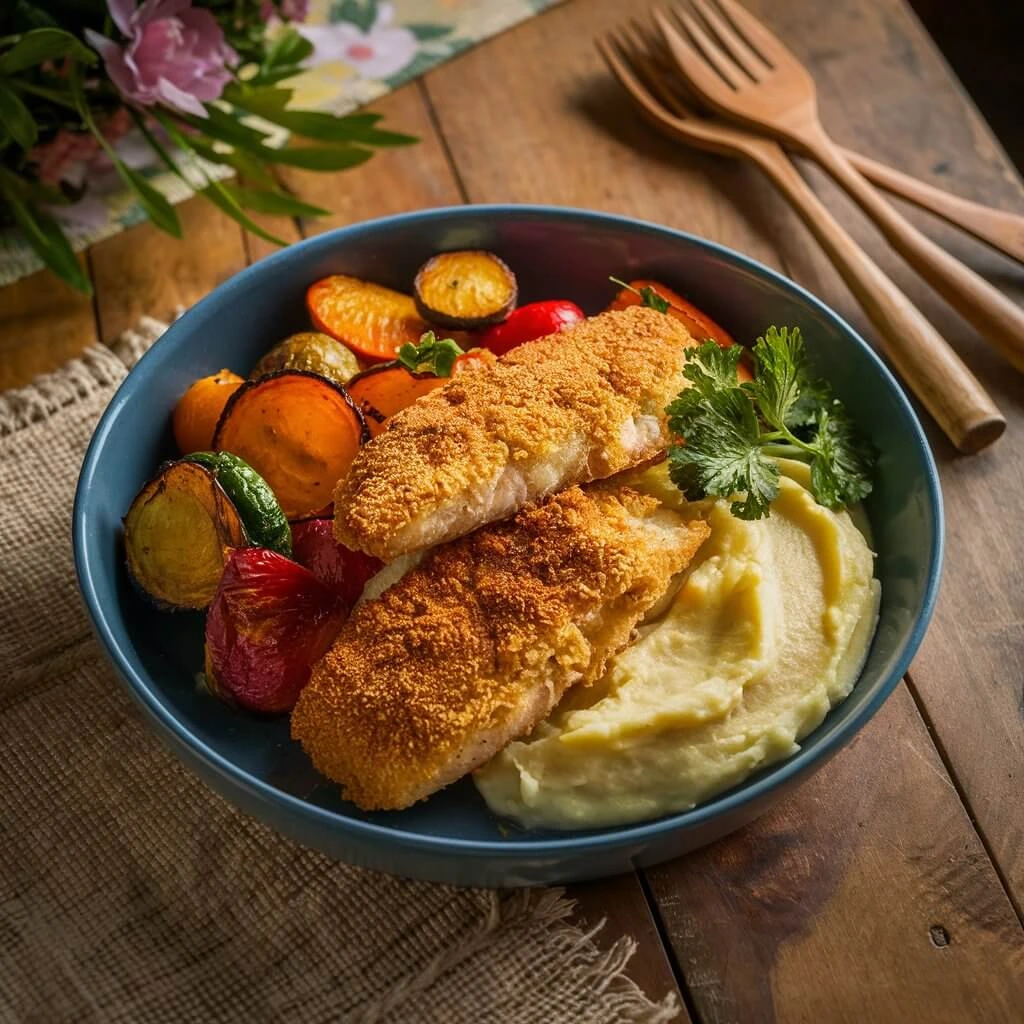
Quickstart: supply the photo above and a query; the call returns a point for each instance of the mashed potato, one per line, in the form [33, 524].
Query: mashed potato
[766, 631]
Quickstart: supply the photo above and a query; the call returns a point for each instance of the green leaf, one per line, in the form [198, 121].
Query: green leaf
[425, 32]
[155, 204]
[648, 296]
[250, 167]
[45, 236]
[781, 372]
[224, 127]
[44, 44]
[218, 193]
[722, 456]
[318, 158]
[271, 104]
[221, 195]
[313, 158]
[274, 202]
[430, 355]
[289, 48]
[16, 119]
[360, 14]
[840, 472]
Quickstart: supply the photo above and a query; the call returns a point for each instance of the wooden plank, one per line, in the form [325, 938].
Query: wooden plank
[43, 323]
[621, 904]
[866, 897]
[887, 91]
[395, 180]
[146, 272]
[567, 136]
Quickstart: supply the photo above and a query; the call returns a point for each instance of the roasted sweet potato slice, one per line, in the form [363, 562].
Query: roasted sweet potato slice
[387, 388]
[466, 289]
[370, 319]
[298, 430]
[179, 532]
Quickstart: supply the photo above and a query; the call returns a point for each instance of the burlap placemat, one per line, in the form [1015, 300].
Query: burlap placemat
[129, 892]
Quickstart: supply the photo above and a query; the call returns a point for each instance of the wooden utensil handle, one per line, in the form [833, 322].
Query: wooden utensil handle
[949, 391]
[1000, 229]
[995, 316]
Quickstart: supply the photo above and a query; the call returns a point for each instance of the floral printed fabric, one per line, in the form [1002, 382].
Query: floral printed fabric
[362, 50]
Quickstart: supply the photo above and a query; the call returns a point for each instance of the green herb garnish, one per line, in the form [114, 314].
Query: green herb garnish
[733, 433]
[430, 355]
[648, 296]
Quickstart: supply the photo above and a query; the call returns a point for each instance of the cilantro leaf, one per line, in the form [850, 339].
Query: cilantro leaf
[430, 355]
[840, 471]
[732, 434]
[722, 454]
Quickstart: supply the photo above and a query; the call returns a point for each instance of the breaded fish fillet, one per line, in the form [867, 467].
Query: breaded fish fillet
[477, 643]
[576, 406]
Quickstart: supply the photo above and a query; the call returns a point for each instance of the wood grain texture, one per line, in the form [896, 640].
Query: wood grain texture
[885, 91]
[395, 180]
[866, 897]
[146, 272]
[43, 323]
[568, 137]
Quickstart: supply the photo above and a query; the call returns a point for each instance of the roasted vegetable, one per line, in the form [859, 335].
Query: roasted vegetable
[370, 319]
[387, 388]
[198, 410]
[342, 569]
[179, 532]
[313, 351]
[270, 621]
[298, 430]
[535, 320]
[265, 523]
[466, 289]
[648, 293]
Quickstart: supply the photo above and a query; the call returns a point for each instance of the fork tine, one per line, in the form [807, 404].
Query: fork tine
[744, 55]
[714, 54]
[695, 69]
[652, 70]
[756, 34]
[616, 55]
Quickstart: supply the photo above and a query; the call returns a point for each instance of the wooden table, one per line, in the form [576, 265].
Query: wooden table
[890, 887]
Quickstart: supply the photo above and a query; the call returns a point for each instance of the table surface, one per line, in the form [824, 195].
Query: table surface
[890, 887]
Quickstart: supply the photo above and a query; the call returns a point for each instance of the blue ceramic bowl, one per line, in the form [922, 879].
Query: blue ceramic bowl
[556, 253]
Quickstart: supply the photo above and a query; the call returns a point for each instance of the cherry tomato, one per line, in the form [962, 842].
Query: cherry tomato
[529, 322]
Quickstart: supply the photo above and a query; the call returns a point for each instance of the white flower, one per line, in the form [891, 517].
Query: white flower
[379, 53]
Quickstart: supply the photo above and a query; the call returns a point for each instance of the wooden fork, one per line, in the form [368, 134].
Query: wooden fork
[741, 70]
[930, 367]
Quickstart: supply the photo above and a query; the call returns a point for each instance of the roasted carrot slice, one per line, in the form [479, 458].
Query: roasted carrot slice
[198, 410]
[387, 388]
[466, 289]
[698, 323]
[370, 319]
[298, 430]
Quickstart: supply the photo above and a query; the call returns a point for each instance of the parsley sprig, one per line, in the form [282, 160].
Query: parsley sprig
[430, 355]
[731, 433]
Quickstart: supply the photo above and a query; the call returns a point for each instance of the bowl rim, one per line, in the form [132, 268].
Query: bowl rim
[606, 839]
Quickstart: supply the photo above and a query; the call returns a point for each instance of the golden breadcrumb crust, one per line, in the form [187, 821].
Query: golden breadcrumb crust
[482, 638]
[578, 387]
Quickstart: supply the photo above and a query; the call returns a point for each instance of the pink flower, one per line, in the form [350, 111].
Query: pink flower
[175, 55]
[69, 155]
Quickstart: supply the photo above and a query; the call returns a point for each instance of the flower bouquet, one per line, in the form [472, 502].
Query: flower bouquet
[199, 85]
